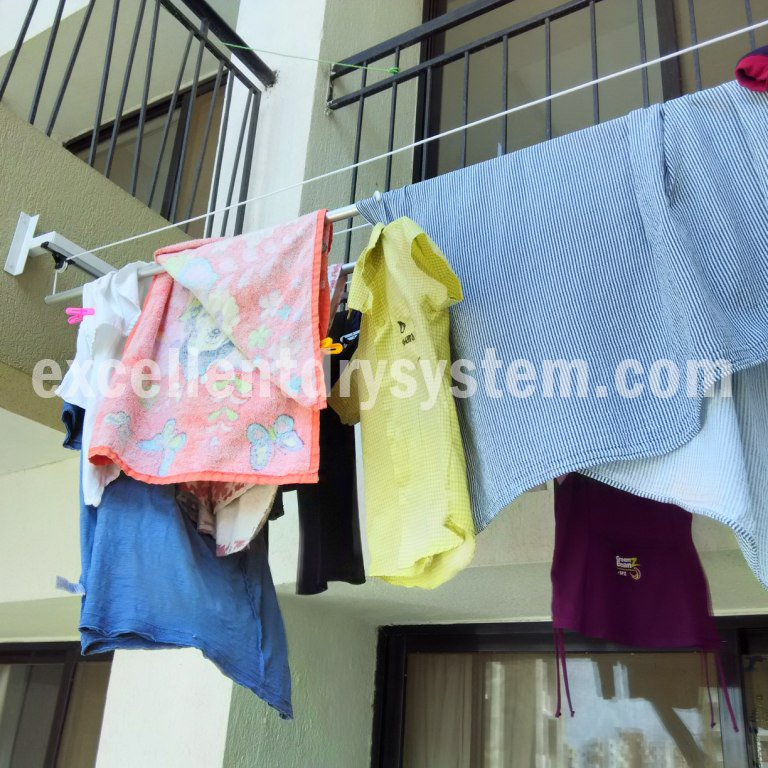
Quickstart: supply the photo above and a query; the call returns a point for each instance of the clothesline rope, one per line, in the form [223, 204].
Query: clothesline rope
[390, 70]
[339, 232]
[449, 132]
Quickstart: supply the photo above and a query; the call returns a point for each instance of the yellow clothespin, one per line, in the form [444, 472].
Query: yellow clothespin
[329, 347]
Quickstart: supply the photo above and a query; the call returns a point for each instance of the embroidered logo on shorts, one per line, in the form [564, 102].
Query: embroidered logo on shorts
[628, 566]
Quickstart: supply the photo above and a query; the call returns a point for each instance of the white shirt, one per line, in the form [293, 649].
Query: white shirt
[116, 299]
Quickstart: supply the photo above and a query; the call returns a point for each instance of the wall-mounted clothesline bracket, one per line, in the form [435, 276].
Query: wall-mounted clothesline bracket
[26, 244]
[64, 252]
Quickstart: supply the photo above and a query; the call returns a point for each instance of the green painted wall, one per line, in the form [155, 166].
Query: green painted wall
[332, 658]
[38, 176]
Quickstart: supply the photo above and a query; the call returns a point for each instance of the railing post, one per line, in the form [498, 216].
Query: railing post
[46, 62]
[188, 121]
[17, 48]
[124, 89]
[236, 163]
[104, 80]
[144, 98]
[245, 175]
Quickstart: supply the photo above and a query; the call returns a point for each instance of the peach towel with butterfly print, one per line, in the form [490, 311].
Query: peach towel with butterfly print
[221, 307]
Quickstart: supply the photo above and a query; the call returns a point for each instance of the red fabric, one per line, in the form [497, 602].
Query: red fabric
[752, 70]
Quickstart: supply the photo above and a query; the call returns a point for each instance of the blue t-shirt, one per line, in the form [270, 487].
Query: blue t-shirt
[152, 581]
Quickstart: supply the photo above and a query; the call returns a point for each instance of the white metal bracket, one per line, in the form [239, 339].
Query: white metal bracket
[25, 244]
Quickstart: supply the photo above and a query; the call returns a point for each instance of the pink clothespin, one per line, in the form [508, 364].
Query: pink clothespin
[76, 314]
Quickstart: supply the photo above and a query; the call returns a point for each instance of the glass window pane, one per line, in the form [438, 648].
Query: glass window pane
[125, 147]
[122, 162]
[497, 711]
[85, 711]
[28, 694]
[755, 668]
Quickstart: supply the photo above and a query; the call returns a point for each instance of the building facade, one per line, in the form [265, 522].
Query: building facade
[101, 151]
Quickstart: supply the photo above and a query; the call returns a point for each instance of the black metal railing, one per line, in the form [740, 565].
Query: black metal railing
[170, 118]
[444, 57]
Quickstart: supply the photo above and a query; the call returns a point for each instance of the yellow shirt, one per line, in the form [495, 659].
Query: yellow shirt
[418, 519]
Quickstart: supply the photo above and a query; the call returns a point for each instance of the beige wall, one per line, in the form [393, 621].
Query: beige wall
[164, 708]
[332, 658]
[39, 516]
[39, 177]
[350, 27]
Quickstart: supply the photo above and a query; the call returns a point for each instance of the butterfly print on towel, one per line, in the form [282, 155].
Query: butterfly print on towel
[167, 443]
[264, 440]
[121, 421]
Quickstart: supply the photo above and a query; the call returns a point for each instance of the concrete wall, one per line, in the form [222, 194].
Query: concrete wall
[164, 709]
[40, 177]
[283, 133]
[332, 664]
[13, 13]
[39, 514]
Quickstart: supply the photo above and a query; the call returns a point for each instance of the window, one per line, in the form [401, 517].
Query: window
[51, 705]
[485, 696]
[172, 179]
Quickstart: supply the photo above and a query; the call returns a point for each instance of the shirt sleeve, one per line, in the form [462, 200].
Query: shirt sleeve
[444, 288]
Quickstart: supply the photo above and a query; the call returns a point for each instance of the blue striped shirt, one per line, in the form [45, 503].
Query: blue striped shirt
[643, 238]
[722, 473]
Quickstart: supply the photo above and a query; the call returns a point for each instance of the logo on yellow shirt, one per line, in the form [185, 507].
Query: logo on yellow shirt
[628, 565]
[409, 338]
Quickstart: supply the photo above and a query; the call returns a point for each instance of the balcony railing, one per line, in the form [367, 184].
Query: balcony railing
[483, 57]
[143, 91]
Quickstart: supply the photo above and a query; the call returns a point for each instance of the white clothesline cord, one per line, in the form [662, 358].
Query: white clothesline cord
[351, 229]
[449, 132]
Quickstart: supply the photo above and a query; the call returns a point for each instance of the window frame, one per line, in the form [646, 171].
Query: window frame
[65, 653]
[741, 635]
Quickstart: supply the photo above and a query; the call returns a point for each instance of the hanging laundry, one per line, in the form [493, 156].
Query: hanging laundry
[330, 548]
[752, 70]
[242, 520]
[336, 285]
[223, 307]
[172, 591]
[329, 521]
[116, 300]
[233, 513]
[722, 473]
[642, 239]
[625, 570]
[419, 524]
